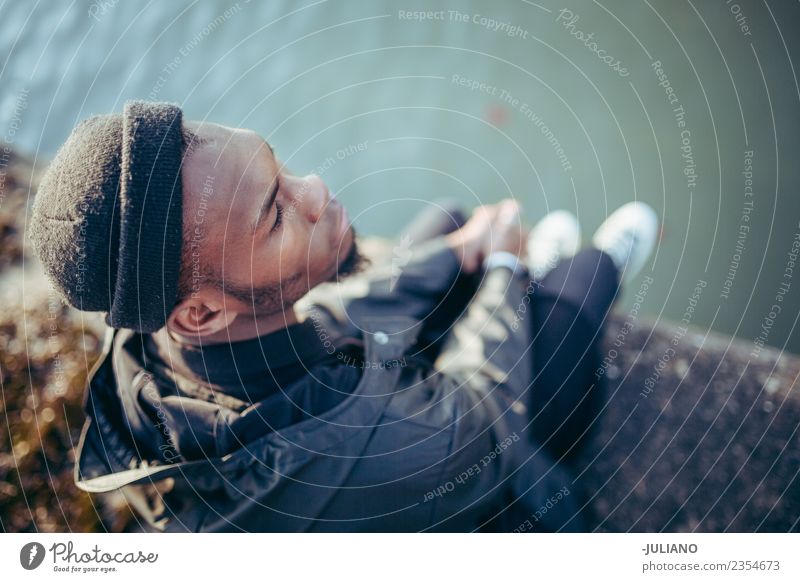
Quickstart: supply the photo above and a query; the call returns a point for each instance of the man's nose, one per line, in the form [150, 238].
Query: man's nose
[312, 197]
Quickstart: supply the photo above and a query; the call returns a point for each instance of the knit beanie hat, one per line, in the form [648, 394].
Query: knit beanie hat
[107, 219]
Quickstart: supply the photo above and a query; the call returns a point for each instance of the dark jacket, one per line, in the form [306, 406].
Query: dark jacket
[415, 447]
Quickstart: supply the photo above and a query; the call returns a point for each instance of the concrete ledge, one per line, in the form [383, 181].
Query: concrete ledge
[702, 439]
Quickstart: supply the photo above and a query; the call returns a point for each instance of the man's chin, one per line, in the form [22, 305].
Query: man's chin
[353, 262]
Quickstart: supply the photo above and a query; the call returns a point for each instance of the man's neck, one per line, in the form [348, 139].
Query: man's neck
[243, 328]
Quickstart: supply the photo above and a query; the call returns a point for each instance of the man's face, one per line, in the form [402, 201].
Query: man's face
[268, 235]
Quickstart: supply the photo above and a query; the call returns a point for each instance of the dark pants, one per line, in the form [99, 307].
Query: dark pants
[568, 308]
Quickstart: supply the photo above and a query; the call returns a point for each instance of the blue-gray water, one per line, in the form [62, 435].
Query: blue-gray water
[478, 102]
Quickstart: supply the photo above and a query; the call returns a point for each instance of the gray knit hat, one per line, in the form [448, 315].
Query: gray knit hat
[107, 218]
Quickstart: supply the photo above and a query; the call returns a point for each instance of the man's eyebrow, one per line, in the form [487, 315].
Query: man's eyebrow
[269, 201]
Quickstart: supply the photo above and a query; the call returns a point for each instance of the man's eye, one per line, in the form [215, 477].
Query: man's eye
[278, 217]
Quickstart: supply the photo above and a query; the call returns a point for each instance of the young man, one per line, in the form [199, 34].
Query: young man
[243, 387]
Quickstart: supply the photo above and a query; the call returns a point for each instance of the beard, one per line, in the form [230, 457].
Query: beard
[277, 297]
[354, 262]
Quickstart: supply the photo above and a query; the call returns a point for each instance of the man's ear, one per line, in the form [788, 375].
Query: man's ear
[203, 314]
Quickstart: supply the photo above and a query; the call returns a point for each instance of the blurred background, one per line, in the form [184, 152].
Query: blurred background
[690, 106]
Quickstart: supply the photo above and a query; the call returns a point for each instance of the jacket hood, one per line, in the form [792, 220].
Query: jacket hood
[121, 443]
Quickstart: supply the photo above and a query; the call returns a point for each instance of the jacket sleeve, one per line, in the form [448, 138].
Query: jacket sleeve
[411, 282]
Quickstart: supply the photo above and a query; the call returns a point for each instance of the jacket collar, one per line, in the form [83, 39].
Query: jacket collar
[233, 364]
[107, 460]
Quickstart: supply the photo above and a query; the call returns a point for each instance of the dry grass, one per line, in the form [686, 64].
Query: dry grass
[46, 351]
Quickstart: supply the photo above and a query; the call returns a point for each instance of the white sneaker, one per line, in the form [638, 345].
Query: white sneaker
[628, 236]
[555, 237]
